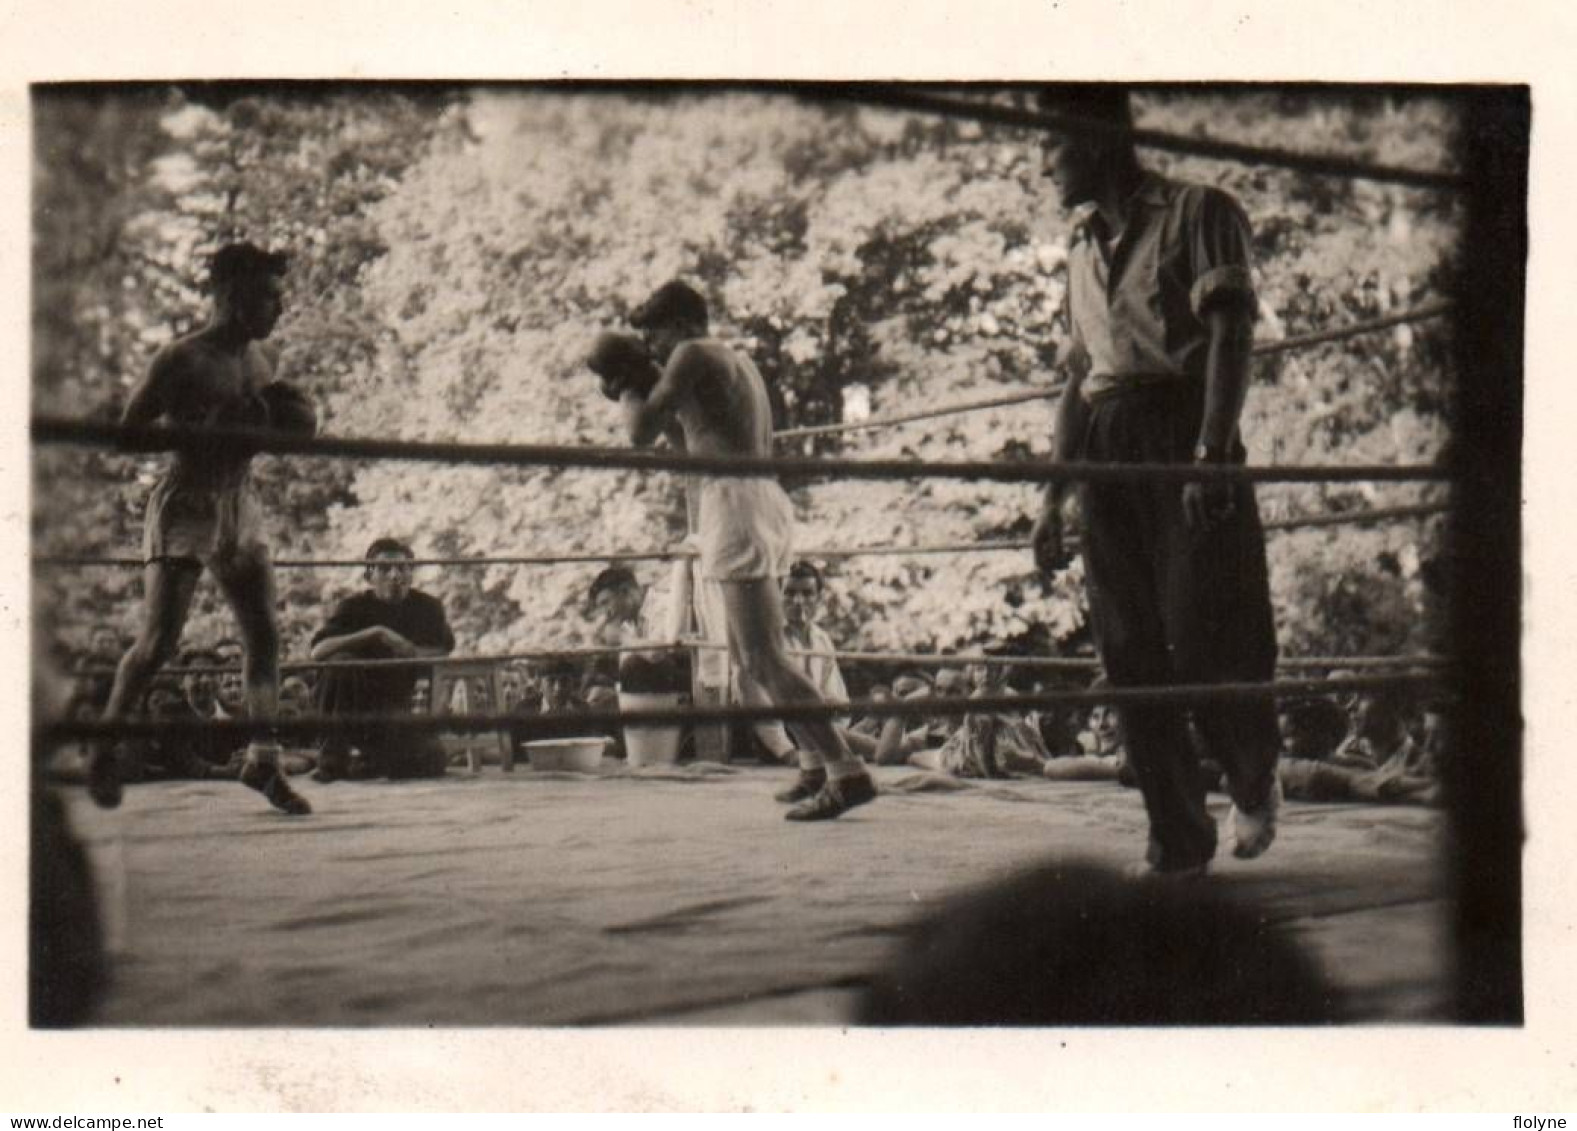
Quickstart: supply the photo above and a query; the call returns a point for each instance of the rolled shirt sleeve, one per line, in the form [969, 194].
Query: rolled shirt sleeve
[1221, 252]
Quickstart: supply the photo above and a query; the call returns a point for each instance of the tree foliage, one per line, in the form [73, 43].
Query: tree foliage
[455, 254]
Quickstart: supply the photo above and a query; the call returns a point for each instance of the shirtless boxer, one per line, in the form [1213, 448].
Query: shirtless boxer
[745, 524]
[204, 511]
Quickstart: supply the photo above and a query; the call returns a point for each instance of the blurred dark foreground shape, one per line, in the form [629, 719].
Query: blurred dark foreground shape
[1073, 943]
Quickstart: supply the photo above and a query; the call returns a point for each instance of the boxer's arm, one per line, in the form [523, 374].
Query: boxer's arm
[152, 396]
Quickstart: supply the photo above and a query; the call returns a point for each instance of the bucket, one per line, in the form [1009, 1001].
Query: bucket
[650, 746]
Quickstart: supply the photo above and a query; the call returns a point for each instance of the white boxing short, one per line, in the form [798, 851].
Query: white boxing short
[746, 529]
[201, 523]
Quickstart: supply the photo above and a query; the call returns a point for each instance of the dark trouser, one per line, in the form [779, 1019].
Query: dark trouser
[1169, 606]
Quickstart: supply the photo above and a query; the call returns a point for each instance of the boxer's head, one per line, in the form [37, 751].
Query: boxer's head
[1080, 163]
[389, 569]
[674, 313]
[248, 287]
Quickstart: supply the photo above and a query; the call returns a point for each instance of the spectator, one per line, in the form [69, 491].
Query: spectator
[232, 689]
[1098, 749]
[1376, 732]
[198, 756]
[391, 620]
[1311, 729]
[600, 693]
[1379, 762]
[871, 725]
[514, 686]
[618, 606]
[904, 736]
[1071, 943]
[295, 697]
[988, 745]
[95, 673]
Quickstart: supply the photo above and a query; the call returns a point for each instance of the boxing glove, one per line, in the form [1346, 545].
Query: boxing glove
[622, 363]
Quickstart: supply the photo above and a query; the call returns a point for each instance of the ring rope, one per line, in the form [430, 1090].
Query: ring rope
[60, 430]
[1261, 349]
[566, 653]
[568, 723]
[1359, 517]
[1080, 664]
[1084, 664]
[1322, 164]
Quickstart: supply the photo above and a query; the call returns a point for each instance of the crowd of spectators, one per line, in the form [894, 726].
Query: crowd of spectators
[1375, 746]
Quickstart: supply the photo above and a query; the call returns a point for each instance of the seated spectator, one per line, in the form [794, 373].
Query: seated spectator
[1073, 943]
[559, 683]
[390, 620]
[232, 688]
[617, 603]
[599, 693]
[871, 725]
[810, 650]
[560, 688]
[197, 756]
[1377, 732]
[904, 736]
[95, 673]
[1311, 729]
[1379, 762]
[514, 686]
[1099, 754]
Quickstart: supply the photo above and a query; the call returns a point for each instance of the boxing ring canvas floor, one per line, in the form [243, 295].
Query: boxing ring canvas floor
[666, 897]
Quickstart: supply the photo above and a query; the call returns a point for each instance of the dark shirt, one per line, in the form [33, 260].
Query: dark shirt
[1137, 306]
[419, 618]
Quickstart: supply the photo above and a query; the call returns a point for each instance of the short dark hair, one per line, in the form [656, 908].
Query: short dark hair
[614, 577]
[192, 657]
[383, 546]
[244, 262]
[802, 571]
[674, 301]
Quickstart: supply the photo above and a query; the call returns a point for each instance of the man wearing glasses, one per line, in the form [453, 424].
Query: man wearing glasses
[391, 620]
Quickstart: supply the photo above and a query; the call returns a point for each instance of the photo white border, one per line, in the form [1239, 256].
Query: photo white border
[1351, 1069]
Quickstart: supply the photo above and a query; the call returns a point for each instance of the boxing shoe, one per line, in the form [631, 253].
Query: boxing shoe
[835, 798]
[267, 780]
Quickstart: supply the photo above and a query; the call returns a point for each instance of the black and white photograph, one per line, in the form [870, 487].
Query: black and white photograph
[1038, 555]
